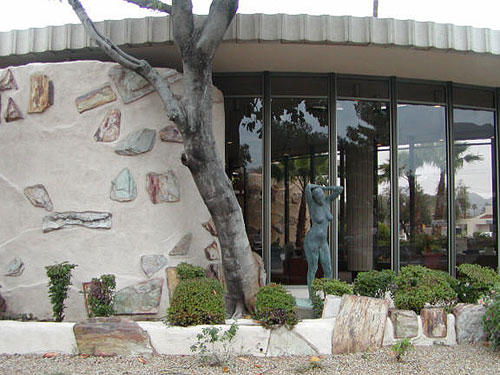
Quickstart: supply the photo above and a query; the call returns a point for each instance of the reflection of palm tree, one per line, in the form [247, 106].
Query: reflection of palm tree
[474, 208]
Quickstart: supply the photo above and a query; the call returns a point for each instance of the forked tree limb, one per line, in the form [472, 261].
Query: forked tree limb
[183, 27]
[160, 6]
[142, 67]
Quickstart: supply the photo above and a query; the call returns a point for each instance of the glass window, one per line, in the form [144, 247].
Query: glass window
[299, 155]
[300, 86]
[422, 185]
[473, 97]
[362, 88]
[244, 128]
[239, 85]
[474, 149]
[421, 92]
[363, 160]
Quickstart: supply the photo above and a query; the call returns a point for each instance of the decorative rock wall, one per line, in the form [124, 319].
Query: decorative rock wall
[79, 140]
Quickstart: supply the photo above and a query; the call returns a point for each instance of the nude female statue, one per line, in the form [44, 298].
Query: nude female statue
[316, 244]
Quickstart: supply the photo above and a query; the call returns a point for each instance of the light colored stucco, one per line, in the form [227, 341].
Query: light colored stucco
[57, 149]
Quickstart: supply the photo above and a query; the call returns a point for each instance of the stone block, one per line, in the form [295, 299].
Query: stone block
[136, 143]
[95, 98]
[172, 280]
[7, 81]
[170, 133]
[141, 298]
[88, 219]
[109, 129]
[360, 324]
[331, 306]
[39, 197]
[288, 342]
[182, 247]
[151, 264]
[111, 336]
[13, 113]
[469, 326]
[318, 333]
[405, 323]
[434, 322]
[41, 93]
[163, 187]
[212, 251]
[15, 267]
[123, 187]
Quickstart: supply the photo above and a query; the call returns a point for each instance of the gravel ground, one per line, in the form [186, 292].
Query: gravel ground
[462, 359]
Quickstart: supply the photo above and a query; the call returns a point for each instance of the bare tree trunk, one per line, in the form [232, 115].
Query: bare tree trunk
[301, 222]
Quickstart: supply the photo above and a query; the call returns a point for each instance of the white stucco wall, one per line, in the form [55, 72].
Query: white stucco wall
[57, 149]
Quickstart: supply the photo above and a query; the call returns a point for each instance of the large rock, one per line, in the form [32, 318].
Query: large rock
[7, 81]
[331, 306]
[434, 322]
[469, 324]
[123, 187]
[88, 219]
[172, 280]
[182, 247]
[39, 197]
[141, 298]
[95, 98]
[360, 324]
[170, 133]
[151, 264]
[136, 143]
[405, 323]
[111, 336]
[109, 129]
[163, 187]
[13, 113]
[15, 267]
[287, 342]
[41, 93]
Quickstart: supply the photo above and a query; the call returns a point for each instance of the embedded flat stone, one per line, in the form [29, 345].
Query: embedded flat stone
[123, 188]
[210, 227]
[331, 306]
[172, 280]
[136, 143]
[405, 323]
[15, 267]
[131, 86]
[360, 324]
[212, 251]
[41, 93]
[170, 133]
[109, 129]
[163, 187]
[434, 322]
[111, 336]
[95, 98]
[182, 247]
[287, 342]
[151, 264]
[88, 219]
[141, 298]
[39, 197]
[214, 271]
[13, 113]
[7, 81]
[469, 325]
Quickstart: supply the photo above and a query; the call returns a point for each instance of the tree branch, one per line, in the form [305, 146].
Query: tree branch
[182, 23]
[142, 67]
[219, 17]
[160, 6]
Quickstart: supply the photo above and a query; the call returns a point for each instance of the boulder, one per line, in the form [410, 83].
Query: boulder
[172, 280]
[13, 113]
[434, 322]
[7, 81]
[405, 323]
[111, 336]
[212, 251]
[469, 326]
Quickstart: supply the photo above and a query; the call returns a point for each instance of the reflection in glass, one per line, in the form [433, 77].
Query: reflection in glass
[299, 155]
[474, 187]
[244, 161]
[363, 160]
[422, 186]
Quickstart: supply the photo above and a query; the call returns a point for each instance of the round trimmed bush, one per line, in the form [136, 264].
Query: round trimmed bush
[320, 288]
[417, 285]
[197, 301]
[475, 281]
[274, 306]
[374, 283]
[491, 317]
[186, 271]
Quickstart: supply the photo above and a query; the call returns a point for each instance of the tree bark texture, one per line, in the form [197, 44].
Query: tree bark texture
[197, 42]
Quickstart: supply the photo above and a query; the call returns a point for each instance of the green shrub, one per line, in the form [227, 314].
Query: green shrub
[491, 317]
[374, 283]
[59, 281]
[474, 281]
[197, 301]
[101, 296]
[186, 271]
[417, 285]
[320, 288]
[274, 306]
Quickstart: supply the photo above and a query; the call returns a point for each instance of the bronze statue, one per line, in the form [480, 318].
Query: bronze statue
[316, 244]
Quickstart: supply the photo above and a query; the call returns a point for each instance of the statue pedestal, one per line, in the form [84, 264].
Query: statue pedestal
[304, 308]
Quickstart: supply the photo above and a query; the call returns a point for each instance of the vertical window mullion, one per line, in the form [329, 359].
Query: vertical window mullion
[395, 263]
[450, 162]
[332, 106]
[266, 193]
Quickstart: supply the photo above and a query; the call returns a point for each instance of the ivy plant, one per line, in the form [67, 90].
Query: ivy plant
[59, 281]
